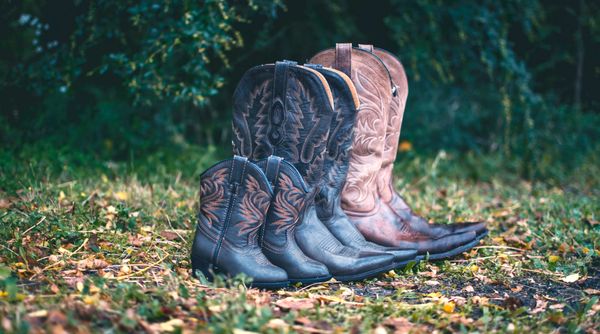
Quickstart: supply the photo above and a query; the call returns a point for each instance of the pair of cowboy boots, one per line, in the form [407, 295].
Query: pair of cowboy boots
[368, 198]
[246, 222]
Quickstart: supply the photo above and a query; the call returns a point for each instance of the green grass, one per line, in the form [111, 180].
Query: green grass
[98, 245]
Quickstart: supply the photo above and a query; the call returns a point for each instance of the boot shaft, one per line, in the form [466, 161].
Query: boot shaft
[283, 109]
[339, 144]
[234, 199]
[394, 120]
[374, 87]
[291, 196]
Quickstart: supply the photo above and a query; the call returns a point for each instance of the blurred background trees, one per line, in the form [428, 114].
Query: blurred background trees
[515, 78]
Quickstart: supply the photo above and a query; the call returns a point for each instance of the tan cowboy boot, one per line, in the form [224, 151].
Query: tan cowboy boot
[385, 187]
[360, 195]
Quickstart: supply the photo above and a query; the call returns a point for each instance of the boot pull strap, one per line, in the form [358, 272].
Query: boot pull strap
[278, 102]
[366, 47]
[238, 170]
[369, 48]
[343, 58]
[272, 170]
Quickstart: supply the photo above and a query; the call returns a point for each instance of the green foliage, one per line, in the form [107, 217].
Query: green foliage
[121, 78]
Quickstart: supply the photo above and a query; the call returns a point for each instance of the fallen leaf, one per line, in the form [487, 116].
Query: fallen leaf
[121, 196]
[571, 278]
[592, 291]
[540, 305]
[171, 325]
[449, 307]
[291, 303]
[4, 203]
[169, 235]
[432, 283]
[91, 263]
[38, 314]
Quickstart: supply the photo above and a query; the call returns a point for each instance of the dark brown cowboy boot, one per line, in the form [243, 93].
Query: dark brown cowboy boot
[234, 198]
[339, 144]
[360, 196]
[285, 110]
[290, 198]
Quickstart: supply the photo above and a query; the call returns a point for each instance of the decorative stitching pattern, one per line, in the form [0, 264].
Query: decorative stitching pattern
[253, 207]
[288, 204]
[212, 193]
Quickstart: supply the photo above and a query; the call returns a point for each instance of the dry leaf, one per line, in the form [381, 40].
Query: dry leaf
[291, 303]
[571, 278]
[169, 235]
[592, 291]
[171, 325]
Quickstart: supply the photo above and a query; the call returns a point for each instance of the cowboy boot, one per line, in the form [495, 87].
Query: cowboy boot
[234, 198]
[285, 110]
[360, 196]
[335, 167]
[385, 186]
[290, 197]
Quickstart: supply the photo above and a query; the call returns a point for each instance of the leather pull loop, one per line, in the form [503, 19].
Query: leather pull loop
[238, 169]
[366, 47]
[272, 170]
[278, 103]
[343, 58]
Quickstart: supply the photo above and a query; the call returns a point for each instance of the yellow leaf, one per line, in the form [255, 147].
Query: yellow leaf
[434, 295]
[121, 195]
[90, 300]
[474, 268]
[104, 178]
[61, 196]
[449, 307]
[553, 258]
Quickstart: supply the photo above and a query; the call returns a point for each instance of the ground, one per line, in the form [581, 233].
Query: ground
[93, 245]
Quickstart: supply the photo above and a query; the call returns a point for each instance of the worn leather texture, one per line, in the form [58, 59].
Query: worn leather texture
[234, 198]
[372, 82]
[291, 196]
[301, 132]
[372, 158]
[292, 123]
[339, 146]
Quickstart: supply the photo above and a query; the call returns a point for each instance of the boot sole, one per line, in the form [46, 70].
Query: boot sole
[259, 285]
[270, 285]
[455, 251]
[312, 280]
[365, 275]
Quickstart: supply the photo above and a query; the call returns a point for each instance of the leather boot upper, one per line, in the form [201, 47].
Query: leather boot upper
[291, 197]
[371, 160]
[285, 110]
[234, 199]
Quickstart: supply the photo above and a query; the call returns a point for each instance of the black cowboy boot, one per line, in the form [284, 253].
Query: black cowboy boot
[335, 166]
[234, 198]
[290, 198]
[285, 110]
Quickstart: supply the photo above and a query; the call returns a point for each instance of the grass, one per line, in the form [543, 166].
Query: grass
[94, 245]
